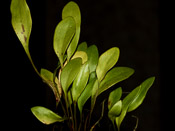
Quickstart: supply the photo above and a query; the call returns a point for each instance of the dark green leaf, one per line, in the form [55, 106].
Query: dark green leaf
[45, 115]
[93, 57]
[69, 73]
[114, 76]
[63, 35]
[86, 94]
[106, 61]
[82, 47]
[80, 82]
[72, 10]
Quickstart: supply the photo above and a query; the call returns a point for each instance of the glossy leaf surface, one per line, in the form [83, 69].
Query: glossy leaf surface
[63, 35]
[114, 97]
[69, 73]
[21, 22]
[106, 61]
[93, 57]
[86, 94]
[115, 75]
[134, 99]
[72, 10]
[143, 89]
[45, 115]
[80, 82]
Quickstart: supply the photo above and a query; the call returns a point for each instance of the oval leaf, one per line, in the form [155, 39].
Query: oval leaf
[93, 57]
[106, 61]
[80, 82]
[45, 115]
[72, 9]
[114, 76]
[69, 73]
[114, 97]
[21, 22]
[82, 47]
[63, 35]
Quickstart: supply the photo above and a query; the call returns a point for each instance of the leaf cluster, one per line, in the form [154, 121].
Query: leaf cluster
[81, 73]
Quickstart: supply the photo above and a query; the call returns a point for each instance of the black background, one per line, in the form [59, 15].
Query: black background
[131, 25]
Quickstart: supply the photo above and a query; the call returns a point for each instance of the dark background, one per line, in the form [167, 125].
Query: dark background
[131, 25]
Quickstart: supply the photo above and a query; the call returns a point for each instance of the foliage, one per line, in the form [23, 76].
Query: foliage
[81, 73]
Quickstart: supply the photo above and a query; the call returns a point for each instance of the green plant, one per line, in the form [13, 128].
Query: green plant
[81, 74]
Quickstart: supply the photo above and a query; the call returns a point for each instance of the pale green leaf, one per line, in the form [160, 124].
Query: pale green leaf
[93, 57]
[80, 82]
[72, 9]
[63, 35]
[69, 73]
[106, 61]
[114, 97]
[82, 55]
[115, 75]
[86, 94]
[45, 115]
[21, 22]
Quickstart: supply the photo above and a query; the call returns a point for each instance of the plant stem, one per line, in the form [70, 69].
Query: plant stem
[75, 117]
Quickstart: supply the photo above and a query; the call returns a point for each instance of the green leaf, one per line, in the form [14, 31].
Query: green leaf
[69, 73]
[134, 99]
[115, 75]
[80, 82]
[45, 115]
[63, 35]
[93, 57]
[72, 9]
[143, 89]
[115, 110]
[114, 97]
[21, 22]
[86, 94]
[82, 47]
[94, 94]
[106, 61]
[82, 55]
[47, 76]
